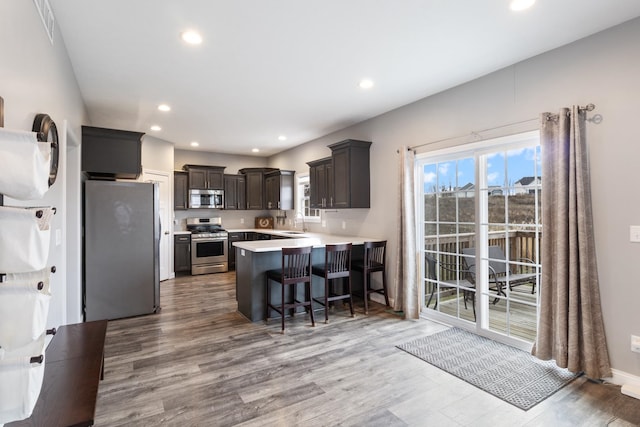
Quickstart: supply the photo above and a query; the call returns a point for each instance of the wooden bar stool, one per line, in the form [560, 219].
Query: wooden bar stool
[374, 261]
[296, 268]
[337, 265]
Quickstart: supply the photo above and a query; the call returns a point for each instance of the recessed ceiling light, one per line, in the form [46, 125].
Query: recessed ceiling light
[191, 37]
[255, 150]
[282, 138]
[517, 5]
[156, 128]
[195, 144]
[366, 84]
[164, 107]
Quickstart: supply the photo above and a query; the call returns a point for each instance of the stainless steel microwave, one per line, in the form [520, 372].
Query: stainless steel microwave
[206, 199]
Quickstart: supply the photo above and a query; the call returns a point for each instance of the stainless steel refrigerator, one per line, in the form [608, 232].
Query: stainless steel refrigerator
[121, 247]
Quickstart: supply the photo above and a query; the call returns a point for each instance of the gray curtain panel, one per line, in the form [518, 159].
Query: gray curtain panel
[571, 328]
[406, 286]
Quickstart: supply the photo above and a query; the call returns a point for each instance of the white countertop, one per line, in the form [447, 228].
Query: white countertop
[273, 231]
[317, 240]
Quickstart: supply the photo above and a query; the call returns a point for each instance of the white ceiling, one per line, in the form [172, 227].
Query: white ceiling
[291, 67]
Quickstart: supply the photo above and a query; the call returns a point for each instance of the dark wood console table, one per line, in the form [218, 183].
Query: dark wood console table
[74, 365]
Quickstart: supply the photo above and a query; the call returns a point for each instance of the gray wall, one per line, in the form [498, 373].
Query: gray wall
[231, 162]
[157, 154]
[36, 77]
[602, 69]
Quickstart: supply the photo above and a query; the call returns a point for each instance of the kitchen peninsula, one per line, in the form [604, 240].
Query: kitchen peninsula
[254, 258]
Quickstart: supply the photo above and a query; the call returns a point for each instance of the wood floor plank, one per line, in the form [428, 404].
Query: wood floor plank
[198, 362]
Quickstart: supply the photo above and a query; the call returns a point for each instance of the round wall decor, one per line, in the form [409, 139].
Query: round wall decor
[48, 132]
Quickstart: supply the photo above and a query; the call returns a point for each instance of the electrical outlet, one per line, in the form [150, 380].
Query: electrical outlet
[634, 233]
[344, 225]
[324, 223]
[635, 343]
[241, 220]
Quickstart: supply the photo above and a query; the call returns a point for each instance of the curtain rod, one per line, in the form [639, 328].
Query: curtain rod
[588, 107]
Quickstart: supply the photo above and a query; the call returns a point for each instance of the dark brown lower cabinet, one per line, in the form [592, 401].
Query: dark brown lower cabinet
[182, 253]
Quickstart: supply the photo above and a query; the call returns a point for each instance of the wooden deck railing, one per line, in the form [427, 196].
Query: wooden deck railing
[522, 244]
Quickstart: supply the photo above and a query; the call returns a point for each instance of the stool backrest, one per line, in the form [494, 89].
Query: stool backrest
[296, 264]
[374, 254]
[338, 258]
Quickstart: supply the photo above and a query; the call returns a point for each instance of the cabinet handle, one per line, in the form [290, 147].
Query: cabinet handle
[278, 205]
[331, 203]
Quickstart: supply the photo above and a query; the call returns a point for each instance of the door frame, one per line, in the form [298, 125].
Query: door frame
[167, 223]
[478, 150]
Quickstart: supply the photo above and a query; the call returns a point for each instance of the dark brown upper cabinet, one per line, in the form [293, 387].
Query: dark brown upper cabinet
[111, 153]
[180, 190]
[205, 177]
[321, 183]
[279, 189]
[235, 192]
[351, 175]
[342, 180]
[254, 181]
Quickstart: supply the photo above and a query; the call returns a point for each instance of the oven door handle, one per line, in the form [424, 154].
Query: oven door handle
[210, 239]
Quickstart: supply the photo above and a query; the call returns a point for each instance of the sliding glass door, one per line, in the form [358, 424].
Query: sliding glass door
[480, 211]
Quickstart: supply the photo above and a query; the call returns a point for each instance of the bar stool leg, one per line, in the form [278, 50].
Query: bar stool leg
[326, 298]
[348, 279]
[294, 294]
[366, 291]
[266, 313]
[282, 306]
[313, 320]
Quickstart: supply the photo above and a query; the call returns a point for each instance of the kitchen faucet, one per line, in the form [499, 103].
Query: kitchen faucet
[295, 221]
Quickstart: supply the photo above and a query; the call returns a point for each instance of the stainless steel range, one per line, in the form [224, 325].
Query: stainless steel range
[208, 245]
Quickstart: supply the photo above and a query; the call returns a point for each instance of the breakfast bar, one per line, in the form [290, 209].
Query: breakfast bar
[255, 258]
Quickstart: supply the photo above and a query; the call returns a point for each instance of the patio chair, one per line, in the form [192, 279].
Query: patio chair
[500, 270]
[432, 265]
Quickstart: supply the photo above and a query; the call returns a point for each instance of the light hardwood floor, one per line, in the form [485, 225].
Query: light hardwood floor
[200, 363]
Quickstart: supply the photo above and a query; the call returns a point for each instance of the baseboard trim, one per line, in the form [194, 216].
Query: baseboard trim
[624, 378]
[379, 298]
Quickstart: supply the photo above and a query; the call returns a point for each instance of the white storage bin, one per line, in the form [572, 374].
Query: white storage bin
[24, 306]
[24, 165]
[24, 238]
[21, 381]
